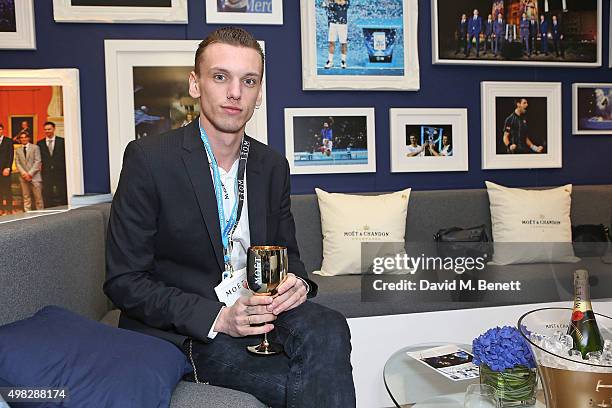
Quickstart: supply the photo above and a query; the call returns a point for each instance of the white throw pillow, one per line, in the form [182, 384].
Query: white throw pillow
[348, 220]
[531, 225]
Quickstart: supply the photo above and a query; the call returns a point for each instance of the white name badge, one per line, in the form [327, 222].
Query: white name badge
[230, 289]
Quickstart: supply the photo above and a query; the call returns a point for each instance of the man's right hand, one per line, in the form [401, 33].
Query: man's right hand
[6, 172]
[512, 148]
[236, 320]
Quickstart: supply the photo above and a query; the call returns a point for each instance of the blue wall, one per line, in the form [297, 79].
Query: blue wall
[586, 159]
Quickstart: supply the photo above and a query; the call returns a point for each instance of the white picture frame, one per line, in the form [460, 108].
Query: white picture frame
[24, 36]
[68, 79]
[65, 12]
[422, 121]
[493, 124]
[445, 60]
[121, 56]
[358, 78]
[353, 160]
[591, 124]
[214, 16]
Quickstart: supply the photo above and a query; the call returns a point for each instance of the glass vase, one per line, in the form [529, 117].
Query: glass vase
[514, 387]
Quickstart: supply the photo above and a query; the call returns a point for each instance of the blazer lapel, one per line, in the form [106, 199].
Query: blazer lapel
[256, 196]
[196, 164]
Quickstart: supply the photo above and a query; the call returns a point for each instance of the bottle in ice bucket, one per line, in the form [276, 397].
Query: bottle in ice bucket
[583, 326]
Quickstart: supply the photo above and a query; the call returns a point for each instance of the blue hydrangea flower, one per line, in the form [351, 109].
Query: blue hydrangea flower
[502, 348]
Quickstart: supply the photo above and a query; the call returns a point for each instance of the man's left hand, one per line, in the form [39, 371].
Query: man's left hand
[291, 293]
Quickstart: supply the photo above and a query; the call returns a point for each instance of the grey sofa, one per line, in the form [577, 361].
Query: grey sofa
[59, 259]
[429, 211]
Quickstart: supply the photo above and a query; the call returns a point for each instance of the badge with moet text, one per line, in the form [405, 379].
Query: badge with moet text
[231, 288]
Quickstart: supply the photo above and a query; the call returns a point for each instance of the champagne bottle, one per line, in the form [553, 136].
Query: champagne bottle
[583, 326]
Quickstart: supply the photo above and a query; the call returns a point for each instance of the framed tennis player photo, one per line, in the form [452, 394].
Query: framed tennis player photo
[359, 45]
[40, 120]
[147, 93]
[592, 109]
[244, 12]
[330, 140]
[517, 32]
[424, 140]
[521, 125]
[120, 11]
[17, 25]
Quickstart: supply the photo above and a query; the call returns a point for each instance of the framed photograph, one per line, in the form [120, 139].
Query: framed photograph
[17, 25]
[521, 125]
[40, 125]
[330, 140]
[359, 45]
[517, 32]
[244, 12]
[120, 11]
[20, 123]
[592, 109]
[147, 92]
[428, 140]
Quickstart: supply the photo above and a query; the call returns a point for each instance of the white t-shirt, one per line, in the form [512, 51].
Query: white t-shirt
[415, 149]
[241, 237]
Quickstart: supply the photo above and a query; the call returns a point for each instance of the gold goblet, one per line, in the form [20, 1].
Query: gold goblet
[266, 269]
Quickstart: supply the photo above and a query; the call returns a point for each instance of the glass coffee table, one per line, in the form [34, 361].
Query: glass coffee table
[412, 384]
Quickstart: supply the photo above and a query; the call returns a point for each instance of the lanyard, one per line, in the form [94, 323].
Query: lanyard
[228, 227]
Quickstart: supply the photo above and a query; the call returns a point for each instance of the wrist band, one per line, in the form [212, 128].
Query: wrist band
[534, 148]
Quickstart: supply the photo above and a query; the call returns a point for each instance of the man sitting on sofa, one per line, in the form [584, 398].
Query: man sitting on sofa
[166, 252]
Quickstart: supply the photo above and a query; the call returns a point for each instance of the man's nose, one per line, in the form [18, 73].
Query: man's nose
[233, 89]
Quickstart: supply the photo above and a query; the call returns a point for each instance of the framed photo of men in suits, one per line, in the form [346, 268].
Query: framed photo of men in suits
[517, 32]
[17, 25]
[40, 120]
[521, 125]
[147, 93]
[120, 11]
[360, 45]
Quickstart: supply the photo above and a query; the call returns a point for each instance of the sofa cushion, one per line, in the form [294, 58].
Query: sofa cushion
[3, 404]
[189, 395]
[348, 220]
[521, 218]
[98, 365]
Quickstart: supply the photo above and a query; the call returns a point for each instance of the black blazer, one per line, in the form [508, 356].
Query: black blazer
[6, 153]
[53, 166]
[164, 253]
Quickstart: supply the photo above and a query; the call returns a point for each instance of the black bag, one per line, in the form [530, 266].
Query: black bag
[464, 242]
[590, 239]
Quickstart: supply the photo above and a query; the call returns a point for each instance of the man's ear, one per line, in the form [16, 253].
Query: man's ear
[194, 86]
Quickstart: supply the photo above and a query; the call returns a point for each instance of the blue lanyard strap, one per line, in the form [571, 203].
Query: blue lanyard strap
[228, 228]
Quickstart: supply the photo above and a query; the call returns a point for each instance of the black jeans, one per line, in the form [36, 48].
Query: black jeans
[5, 192]
[314, 371]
